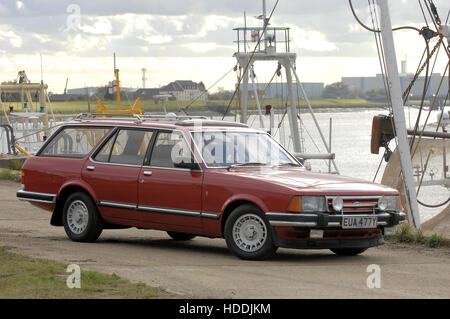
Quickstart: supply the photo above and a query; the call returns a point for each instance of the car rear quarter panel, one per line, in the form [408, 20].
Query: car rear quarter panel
[49, 174]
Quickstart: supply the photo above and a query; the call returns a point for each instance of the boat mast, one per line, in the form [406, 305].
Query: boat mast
[399, 112]
[273, 44]
[116, 73]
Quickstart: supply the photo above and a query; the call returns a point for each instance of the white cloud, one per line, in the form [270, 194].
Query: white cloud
[311, 40]
[100, 26]
[7, 34]
[201, 46]
[157, 39]
[19, 5]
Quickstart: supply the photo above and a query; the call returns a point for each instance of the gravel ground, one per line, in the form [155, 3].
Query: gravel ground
[204, 268]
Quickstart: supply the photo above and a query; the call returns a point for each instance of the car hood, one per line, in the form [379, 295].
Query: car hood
[305, 181]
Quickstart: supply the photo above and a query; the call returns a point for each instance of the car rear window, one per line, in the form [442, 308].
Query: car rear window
[74, 142]
[126, 147]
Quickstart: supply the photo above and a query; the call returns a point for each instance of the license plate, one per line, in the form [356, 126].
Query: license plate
[358, 222]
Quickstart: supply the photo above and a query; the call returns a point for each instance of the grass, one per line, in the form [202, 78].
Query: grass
[74, 107]
[16, 165]
[406, 234]
[11, 175]
[25, 277]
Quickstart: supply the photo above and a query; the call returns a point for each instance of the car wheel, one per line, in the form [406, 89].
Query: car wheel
[81, 219]
[180, 236]
[348, 251]
[248, 234]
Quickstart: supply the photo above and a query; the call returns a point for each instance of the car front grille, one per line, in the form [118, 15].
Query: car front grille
[355, 204]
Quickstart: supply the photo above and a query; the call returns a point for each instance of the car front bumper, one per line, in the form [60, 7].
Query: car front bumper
[327, 243]
[325, 220]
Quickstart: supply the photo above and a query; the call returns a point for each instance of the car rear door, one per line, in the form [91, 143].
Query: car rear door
[113, 173]
[170, 196]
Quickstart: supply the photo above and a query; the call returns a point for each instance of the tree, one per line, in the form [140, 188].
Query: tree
[376, 95]
[338, 90]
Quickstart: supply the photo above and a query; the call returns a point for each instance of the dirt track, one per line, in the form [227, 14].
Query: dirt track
[204, 268]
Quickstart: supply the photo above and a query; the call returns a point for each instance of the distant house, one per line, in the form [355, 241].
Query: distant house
[146, 94]
[185, 90]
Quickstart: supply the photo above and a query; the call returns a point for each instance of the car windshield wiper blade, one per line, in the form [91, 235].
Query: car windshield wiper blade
[247, 164]
[288, 164]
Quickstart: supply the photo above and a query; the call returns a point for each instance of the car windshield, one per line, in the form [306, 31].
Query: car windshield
[229, 148]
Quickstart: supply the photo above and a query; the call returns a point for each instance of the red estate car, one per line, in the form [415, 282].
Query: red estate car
[198, 177]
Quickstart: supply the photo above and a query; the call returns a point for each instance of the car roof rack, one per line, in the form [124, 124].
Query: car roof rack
[136, 117]
[181, 120]
[206, 122]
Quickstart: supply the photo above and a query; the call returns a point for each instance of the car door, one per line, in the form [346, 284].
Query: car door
[113, 173]
[170, 195]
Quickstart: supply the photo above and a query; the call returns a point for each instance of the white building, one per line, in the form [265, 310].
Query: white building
[185, 90]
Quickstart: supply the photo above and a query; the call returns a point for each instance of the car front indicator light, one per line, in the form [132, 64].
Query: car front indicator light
[295, 205]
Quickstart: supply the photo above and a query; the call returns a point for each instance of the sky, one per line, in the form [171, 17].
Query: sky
[191, 39]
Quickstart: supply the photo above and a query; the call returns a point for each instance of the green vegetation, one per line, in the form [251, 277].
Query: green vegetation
[16, 165]
[24, 277]
[406, 234]
[10, 175]
[74, 107]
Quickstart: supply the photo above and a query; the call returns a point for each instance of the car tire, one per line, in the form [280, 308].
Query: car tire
[81, 218]
[248, 234]
[180, 236]
[348, 251]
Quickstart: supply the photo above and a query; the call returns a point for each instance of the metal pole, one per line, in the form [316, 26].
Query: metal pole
[399, 113]
[292, 111]
[264, 24]
[244, 94]
[313, 116]
[329, 143]
[258, 105]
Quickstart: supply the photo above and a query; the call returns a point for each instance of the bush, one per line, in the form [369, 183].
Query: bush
[406, 234]
[436, 240]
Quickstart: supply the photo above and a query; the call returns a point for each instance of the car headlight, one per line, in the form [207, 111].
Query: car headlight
[307, 204]
[338, 204]
[388, 203]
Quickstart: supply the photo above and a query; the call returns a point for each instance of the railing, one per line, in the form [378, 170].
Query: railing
[136, 117]
[8, 131]
[274, 38]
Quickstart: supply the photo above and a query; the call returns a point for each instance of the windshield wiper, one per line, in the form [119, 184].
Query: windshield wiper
[289, 164]
[246, 164]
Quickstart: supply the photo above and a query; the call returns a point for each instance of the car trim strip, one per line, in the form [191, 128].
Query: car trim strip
[116, 204]
[172, 211]
[162, 210]
[36, 196]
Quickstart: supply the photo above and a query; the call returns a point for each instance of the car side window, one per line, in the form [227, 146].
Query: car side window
[126, 147]
[74, 142]
[170, 148]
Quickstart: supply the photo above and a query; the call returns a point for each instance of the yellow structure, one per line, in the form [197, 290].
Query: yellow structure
[103, 109]
[135, 109]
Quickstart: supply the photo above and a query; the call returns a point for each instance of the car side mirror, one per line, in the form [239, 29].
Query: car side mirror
[187, 163]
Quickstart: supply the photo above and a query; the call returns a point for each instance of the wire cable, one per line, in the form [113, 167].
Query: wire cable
[204, 92]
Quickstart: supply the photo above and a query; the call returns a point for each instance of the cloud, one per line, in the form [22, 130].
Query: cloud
[192, 31]
[7, 34]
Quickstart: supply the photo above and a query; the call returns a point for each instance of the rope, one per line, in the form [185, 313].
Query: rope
[377, 30]
[263, 95]
[434, 206]
[204, 92]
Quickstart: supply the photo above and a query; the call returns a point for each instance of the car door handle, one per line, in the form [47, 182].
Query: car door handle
[148, 173]
[90, 168]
